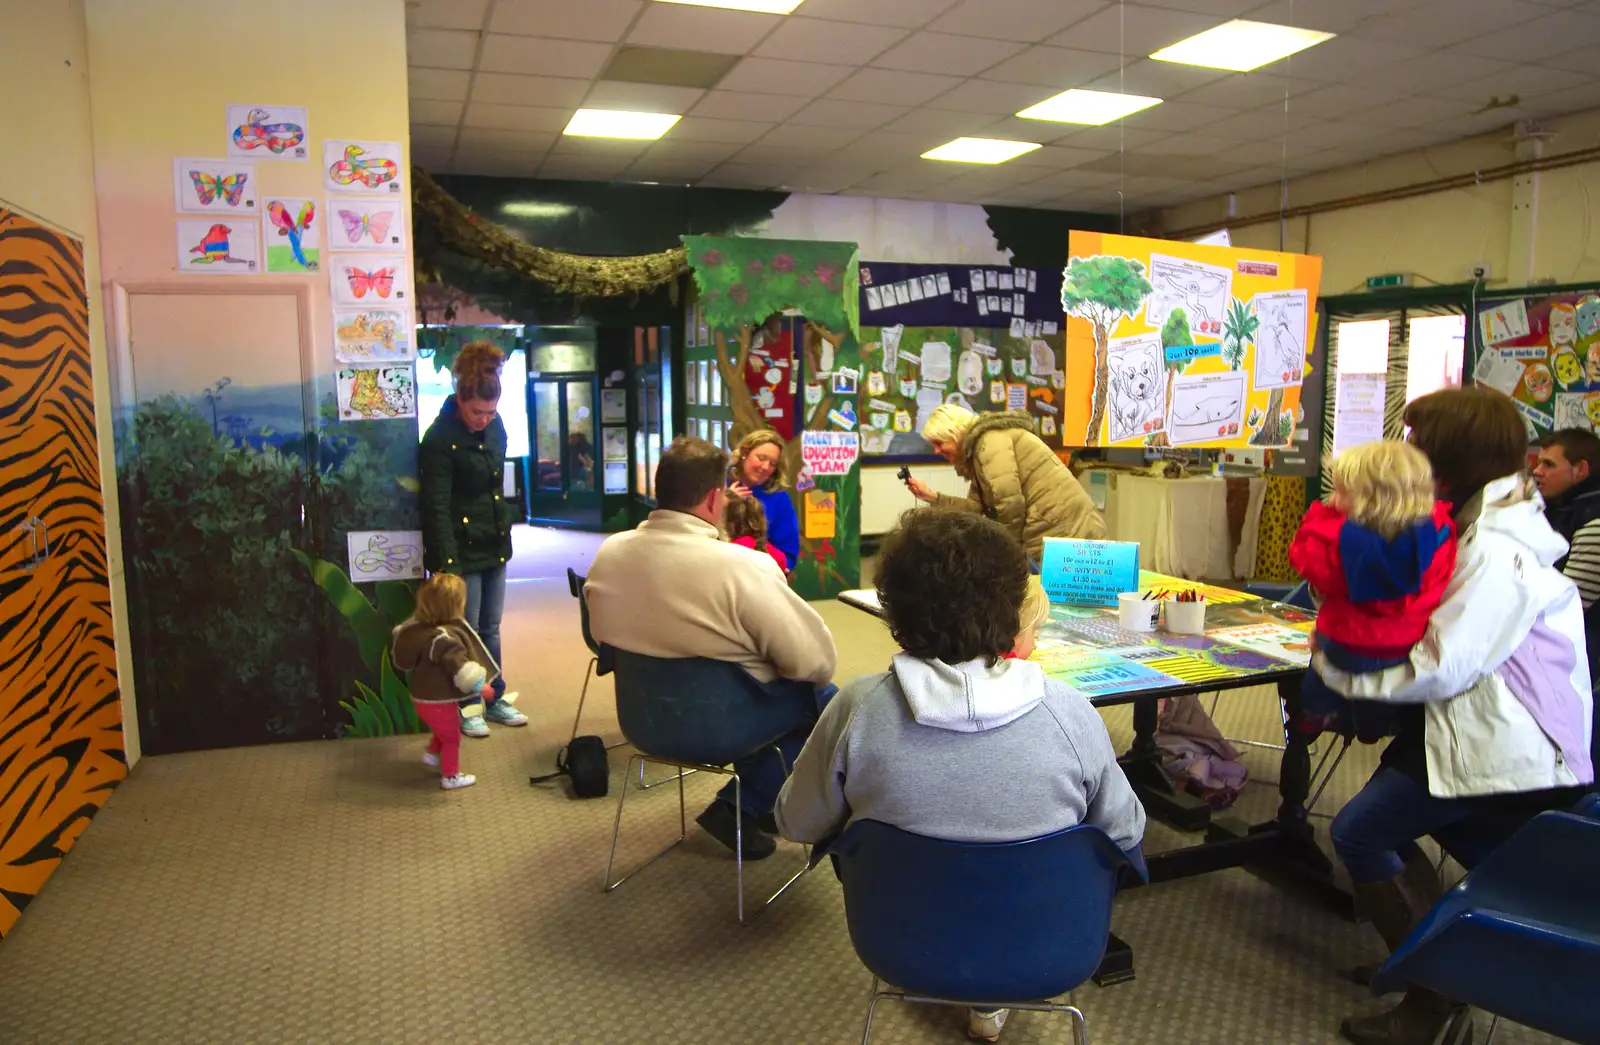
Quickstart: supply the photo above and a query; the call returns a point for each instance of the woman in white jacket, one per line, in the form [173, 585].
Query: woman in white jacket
[1495, 712]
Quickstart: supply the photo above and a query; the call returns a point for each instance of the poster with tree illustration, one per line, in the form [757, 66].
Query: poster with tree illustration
[741, 282]
[1174, 343]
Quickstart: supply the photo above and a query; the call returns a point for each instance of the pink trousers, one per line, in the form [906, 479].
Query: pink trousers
[445, 722]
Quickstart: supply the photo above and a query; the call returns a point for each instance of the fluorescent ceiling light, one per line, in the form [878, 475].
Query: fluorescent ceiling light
[770, 7]
[615, 123]
[1088, 107]
[1241, 45]
[979, 150]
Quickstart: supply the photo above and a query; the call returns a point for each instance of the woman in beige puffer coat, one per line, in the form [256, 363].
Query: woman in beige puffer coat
[1016, 479]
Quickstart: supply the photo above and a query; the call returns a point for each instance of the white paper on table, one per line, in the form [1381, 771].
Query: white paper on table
[889, 338]
[1504, 321]
[935, 361]
[1498, 371]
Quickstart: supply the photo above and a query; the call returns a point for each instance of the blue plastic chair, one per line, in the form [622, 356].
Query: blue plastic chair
[695, 715]
[1519, 937]
[1007, 925]
[1588, 806]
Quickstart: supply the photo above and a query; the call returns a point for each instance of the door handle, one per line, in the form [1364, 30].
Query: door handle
[43, 530]
[33, 544]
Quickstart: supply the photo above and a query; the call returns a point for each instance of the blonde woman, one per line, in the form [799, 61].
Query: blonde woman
[1016, 479]
[757, 471]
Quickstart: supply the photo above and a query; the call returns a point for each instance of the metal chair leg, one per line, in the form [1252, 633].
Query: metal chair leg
[1494, 1025]
[1323, 786]
[642, 786]
[872, 1004]
[588, 674]
[616, 829]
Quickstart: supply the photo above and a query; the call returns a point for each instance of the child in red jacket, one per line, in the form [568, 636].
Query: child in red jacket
[1377, 558]
[745, 522]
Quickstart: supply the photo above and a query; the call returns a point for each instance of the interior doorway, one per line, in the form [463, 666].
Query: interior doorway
[564, 484]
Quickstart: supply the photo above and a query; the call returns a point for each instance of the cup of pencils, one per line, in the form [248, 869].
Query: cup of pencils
[1136, 611]
[1184, 612]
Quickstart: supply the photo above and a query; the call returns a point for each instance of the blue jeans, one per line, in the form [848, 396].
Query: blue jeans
[1378, 828]
[486, 604]
[761, 774]
[1371, 720]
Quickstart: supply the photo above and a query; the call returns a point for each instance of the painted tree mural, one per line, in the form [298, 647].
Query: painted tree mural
[1102, 290]
[741, 282]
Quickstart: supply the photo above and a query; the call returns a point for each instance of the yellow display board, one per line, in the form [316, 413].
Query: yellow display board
[1184, 345]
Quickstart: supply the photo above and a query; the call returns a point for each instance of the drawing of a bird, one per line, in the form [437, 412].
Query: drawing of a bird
[213, 247]
[293, 227]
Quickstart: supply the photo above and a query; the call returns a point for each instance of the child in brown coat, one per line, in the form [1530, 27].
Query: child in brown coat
[447, 661]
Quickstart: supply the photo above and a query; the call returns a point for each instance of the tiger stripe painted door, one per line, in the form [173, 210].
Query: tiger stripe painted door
[61, 749]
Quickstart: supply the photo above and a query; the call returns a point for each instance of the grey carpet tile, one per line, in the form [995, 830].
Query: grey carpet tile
[330, 894]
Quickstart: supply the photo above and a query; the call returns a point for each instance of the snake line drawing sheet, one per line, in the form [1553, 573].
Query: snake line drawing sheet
[268, 132]
[363, 167]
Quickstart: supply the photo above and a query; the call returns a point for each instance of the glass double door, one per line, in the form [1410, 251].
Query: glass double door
[564, 467]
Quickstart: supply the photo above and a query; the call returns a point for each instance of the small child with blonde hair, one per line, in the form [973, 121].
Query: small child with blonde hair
[1035, 611]
[1377, 558]
[447, 661]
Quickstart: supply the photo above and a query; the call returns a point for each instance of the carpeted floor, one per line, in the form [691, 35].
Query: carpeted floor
[331, 893]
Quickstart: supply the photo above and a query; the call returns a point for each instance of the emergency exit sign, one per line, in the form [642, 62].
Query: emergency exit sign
[1392, 279]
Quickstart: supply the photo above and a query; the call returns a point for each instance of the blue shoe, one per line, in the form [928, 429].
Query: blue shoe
[502, 713]
[474, 726]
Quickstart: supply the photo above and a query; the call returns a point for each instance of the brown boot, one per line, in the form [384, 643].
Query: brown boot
[1395, 905]
[1417, 1020]
[1419, 881]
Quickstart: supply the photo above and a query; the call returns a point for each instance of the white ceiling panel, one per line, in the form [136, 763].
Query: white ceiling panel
[642, 97]
[447, 85]
[602, 20]
[1028, 21]
[441, 48]
[903, 14]
[489, 116]
[1574, 100]
[1526, 81]
[1342, 59]
[528, 55]
[502, 166]
[991, 96]
[1415, 112]
[837, 112]
[1431, 73]
[782, 76]
[825, 40]
[436, 112]
[445, 14]
[1058, 157]
[1133, 29]
[511, 89]
[484, 139]
[892, 87]
[939, 122]
[673, 148]
[739, 105]
[1530, 41]
[1251, 91]
[701, 129]
[1440, 23]
[1058, 67]
[1333, 16]
[428, 136]
[1156, 79]
[795, 137]
[948, 54]
[690, 28]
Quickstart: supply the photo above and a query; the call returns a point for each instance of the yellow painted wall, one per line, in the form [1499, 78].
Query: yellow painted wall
[1439, 236]
[47, 172]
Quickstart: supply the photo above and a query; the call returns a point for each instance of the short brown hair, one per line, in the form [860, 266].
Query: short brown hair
[1472, 436]
[952, 585]
[477, 371]
[442, 598]
[1577, 444]
[689, 470]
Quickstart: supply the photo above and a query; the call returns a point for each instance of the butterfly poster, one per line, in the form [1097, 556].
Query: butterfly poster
[268, 132]
[214, 186]
[366, 224]
[220, 248]
[376, 393]
[291, 228]
[374, 168]
[370, 280]
[374, 335]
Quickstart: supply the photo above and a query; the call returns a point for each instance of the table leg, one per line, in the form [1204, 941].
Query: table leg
[1117, 965]
[1142, 766]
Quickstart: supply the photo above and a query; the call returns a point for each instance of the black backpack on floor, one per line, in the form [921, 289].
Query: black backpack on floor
[584, 761]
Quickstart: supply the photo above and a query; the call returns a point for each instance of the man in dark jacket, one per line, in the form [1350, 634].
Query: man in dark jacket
[1568, 474]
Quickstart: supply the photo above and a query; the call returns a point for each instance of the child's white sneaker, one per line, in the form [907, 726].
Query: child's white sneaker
[430, 759]
[985, 1026]
[460, 780]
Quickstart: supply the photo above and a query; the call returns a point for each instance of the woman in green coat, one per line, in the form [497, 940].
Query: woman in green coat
[466, 523]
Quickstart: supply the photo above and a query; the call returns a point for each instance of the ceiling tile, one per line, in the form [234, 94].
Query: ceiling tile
[1251, 126]
[1336, 101]
[432, 111]
[603, 20]
[1526, 81]
[991, 96]
[698, 128]
[1133, 30]
[1219, 9]
[814, 139]
[712, 152]
[905, 14]
[842, 42]
[955, 55]
[1044, 132]
[835, 112]
[1334, 16]
[668, 171]
[431, 137]
[515, 117]
[642, 97]
[1531, 41]
[1066, 181]
[441, 48]
[1342, 58]
[598, 150]
[445, 85]
[1176, 116]
[1430, 73]
[1109, 138]
[695, 28]
[1574, 100]
[739, 105]
[892, 87]
[1157, 79]
[913, 178]
[1197, 143]
[446, 14]
[1415, 112]
[778, 76]
[482, 140]
[1440, 23]
[751, 175]
[510, 89]
[1029, 21]
[431, 158]
[1058, 67]
[496, 166]
[883, 150]
[1059, 157]
[1330, 134]
[940, 123]
[1250, 91]
[524, 54]
[569, 169]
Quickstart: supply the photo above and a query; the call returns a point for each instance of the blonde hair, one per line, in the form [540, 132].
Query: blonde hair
[749, 445]
[1035, 606]
[1386, 486]
[477, 371]
[442, 598]
[948, 424]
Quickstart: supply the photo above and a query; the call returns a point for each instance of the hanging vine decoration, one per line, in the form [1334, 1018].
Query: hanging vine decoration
[468, 234]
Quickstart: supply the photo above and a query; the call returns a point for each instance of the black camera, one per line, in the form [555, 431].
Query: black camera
[904, 474]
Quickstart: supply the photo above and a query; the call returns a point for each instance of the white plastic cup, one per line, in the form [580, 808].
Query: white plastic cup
[1137, 613]
[1185, 618]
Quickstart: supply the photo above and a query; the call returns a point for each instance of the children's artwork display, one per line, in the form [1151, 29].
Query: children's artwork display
[267, 132]
[214, 186]
[896, 293]
[1543, 352]
[363, 167]
[292, 230]
[380, 555]
[378, 335]
[219, 248]
[376, 393]
[367, 224]
[370, 279]
[1183, 344]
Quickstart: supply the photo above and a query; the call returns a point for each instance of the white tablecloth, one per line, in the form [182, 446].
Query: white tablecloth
[1182, 524]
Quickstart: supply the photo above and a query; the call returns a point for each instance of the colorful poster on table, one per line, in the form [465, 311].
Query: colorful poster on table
[1173, 343]
[1543, 352]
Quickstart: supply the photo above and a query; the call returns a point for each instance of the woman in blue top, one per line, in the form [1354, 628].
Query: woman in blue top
[757, 471]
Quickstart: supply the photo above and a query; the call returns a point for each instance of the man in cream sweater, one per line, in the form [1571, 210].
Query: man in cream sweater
[673, 588]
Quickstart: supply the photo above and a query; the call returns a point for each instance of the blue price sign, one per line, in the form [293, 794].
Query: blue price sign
[1089, 573]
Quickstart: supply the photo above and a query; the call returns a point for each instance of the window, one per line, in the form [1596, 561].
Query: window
[1433, 354]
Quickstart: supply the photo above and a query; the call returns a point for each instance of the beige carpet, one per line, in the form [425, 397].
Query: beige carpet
[330, 893]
